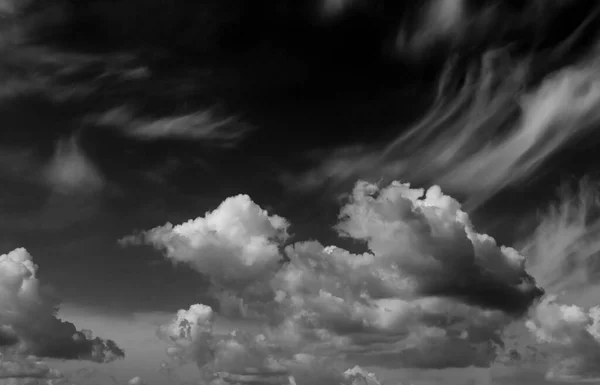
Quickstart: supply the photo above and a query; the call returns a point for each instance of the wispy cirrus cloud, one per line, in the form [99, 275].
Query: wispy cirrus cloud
[204, 125]
[489, 135]
[563, 256]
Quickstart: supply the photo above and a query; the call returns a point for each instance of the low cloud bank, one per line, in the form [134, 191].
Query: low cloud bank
[429, 286]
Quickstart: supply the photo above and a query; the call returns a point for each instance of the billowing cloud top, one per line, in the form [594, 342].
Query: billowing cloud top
[28, 318]
[235, 245]
[430, 292]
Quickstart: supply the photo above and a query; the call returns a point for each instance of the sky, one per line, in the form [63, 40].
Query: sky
[346, 192]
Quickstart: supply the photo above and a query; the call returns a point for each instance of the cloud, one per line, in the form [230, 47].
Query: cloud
[70, 171]
[443, 20]
[562, 255]
[204, 125]
[334, 8]
[244, 358]
[26, 368]
[563, 249]
[430, 292]
[28, 317]
[482, 134]
[136, 381]
[236, 246]
[429, 287]
[573, 334]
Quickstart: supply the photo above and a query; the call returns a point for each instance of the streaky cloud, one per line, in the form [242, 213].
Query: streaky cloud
[563, 256]
[563, 249]
[490, 126]
[204, 125]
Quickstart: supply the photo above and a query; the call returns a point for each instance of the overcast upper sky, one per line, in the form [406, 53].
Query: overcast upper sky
[290, 192]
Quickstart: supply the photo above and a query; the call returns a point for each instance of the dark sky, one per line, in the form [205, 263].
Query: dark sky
[119, 116]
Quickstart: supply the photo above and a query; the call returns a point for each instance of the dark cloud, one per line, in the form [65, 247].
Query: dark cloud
[29, 316]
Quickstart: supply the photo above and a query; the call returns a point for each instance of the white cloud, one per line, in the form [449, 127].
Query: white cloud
[490, 133]
[136, 381]
[430, 293]
[205, 125]
[236, 245]
[30, 326]
[562, 249]
[562, 255]
[573, 335]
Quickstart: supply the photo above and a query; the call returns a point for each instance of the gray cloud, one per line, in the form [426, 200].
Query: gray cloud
[204, 125]
[429, 287]
[29, 317]
[70, 171]
[563, 257]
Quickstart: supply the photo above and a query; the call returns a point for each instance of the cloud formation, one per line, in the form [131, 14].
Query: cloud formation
[203, 125]
[245, 358]
[29, 322]
[563, 257]
[17, 367]
[429, 286]
[70, 171]
[492, 123]
[136, 381]
[563, 249]
[236, 246]
[573, 335]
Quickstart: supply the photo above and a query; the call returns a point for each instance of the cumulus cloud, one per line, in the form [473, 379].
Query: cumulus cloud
[573, 334]
[431, 292]
[236, 246]
[429, 287]
[70, 171]
[204, 125]
[12, 367]
[244, 358]
[29, 322]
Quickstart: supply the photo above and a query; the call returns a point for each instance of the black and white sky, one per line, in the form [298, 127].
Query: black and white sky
[299, 192]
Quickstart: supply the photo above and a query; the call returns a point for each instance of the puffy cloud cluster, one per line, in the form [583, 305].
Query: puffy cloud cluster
[429, 287]
[243, 358]
[431, 292]
[236, 246]
[573, 335]
[28, 370]
[28, 321]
